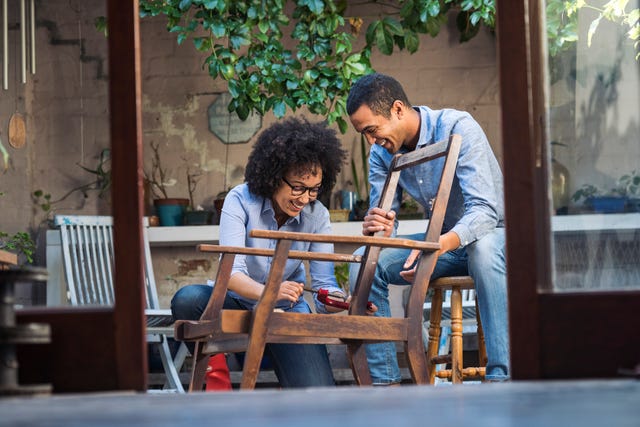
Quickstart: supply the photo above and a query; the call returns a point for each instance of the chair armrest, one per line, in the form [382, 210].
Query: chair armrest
[384, 242]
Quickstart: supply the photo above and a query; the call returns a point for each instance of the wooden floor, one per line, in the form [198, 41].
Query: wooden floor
[614, 403]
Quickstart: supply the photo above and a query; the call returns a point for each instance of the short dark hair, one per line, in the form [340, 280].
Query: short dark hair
[293, 145]
[378, 92]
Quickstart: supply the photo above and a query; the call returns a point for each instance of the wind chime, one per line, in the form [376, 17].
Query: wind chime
[17, 128]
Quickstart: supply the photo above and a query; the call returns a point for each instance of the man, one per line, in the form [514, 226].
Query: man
[473, 240]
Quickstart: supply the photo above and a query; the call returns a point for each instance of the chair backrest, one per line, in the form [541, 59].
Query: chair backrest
[87, 252]
[448, 150]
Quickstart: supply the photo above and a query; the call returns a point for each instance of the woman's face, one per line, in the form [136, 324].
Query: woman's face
[296, 190]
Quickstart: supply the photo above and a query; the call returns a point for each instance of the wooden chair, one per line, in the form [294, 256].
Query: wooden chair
[87, 252]
[221, 330]
[456, 285]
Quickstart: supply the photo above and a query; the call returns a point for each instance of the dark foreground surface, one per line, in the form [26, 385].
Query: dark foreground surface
[605, 403]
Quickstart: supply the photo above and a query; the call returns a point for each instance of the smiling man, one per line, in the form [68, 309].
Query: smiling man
[473, 240]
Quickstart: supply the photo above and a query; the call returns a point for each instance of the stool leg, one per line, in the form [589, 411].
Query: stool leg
[482, 348]
[434, 333]
[456, 335]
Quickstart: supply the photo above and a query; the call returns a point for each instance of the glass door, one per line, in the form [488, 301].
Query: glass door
[570, 88]
[593, 110]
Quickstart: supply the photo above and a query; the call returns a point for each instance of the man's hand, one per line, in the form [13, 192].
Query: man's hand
[378, 220]
[448, 241]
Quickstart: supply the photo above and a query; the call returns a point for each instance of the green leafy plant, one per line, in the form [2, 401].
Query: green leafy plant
[20, 243]
[586, 192]
[244, 43]
[562, 22]
[341, 270]
[629, 184]
[361, 182]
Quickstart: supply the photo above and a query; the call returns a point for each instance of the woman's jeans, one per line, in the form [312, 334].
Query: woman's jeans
[295, 365]
[484, 261]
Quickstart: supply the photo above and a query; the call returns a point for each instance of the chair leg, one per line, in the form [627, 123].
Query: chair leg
[173, 378]
[252, 360]
[181, 356]
[456, 336]
[200, 364]
[358, 360]
[434, 334]
[418, 365]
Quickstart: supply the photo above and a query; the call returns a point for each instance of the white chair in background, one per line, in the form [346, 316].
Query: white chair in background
[87, 252]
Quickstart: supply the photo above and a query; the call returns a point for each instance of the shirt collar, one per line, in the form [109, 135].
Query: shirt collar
[267, 209]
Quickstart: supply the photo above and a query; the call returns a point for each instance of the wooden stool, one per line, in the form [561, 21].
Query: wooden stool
[456, 374]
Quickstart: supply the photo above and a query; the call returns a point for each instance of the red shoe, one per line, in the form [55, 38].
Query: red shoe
[217, 377]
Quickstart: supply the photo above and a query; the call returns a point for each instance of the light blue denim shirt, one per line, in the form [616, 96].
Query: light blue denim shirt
[244, 211]
[476, 204]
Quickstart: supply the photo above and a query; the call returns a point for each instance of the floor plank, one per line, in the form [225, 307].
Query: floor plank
[522, 404]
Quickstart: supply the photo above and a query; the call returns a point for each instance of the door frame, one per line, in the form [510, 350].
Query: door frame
[568, 335]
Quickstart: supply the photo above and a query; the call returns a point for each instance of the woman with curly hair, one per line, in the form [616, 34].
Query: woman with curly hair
[292, 162]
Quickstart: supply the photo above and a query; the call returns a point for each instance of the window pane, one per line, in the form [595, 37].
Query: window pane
[594, 137]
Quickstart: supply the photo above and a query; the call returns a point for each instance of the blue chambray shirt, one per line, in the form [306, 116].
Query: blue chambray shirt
[243, 211]
[476, 204]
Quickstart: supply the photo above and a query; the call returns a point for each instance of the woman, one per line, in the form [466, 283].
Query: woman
[292, 162]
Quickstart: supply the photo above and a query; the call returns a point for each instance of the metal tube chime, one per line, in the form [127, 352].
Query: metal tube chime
[23, 42]
[5, 46]
[32, 32]
[27, 30]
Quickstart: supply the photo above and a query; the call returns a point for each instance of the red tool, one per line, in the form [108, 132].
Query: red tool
[330, 299]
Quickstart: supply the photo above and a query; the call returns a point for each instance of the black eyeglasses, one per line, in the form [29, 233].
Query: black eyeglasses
[299, 190]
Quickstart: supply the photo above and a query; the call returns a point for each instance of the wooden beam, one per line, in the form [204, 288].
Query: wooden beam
[126, 155]
[519, 185]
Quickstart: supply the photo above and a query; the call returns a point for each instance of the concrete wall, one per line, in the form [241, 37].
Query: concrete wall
[66, 107]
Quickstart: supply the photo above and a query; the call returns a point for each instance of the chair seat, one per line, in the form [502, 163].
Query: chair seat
[88, 250]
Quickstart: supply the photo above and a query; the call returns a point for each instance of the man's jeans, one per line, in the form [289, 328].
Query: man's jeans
[295, 365]
[484, 260]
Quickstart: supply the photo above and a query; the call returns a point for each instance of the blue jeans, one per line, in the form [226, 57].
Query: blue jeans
[485, 261]
[295, 365]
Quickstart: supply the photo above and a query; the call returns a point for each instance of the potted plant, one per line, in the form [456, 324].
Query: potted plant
[615, 200]
[195, 214]
[630, 184]
[21, 244]
[361, 205]
[170, 210]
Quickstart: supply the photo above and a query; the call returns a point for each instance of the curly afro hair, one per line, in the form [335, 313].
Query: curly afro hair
[293, 145]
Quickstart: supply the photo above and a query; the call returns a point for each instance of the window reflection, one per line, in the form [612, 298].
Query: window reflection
[594, 133]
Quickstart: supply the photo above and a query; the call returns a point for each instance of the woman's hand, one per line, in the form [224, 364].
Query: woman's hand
[290, 291]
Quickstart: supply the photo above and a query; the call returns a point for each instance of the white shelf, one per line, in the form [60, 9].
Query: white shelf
[188, 235]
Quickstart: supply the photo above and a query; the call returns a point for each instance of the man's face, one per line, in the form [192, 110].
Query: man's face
[385, 132]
